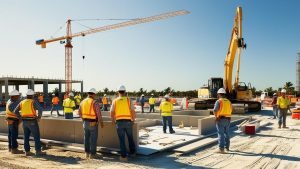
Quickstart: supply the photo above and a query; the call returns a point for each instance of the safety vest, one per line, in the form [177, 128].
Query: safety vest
[225, 108]
[41, 98]
[166, 108]
[77, 99]
[152, 100]
[27, 108]
[104, 100]
[55, 100]
[68, 105]
[283, 103]
[10, 114]
[122, 108]
[87, 109]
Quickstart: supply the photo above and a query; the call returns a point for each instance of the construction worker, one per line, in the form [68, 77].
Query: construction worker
[69, 106]
[152, 103]
[41, 100]
[283, 106]
[77, 100]
[55, 101]
[274, 104]
[90, 113]
[12, 122]
[105, 103]
[123, 116]
[142, 101]
[166, 108]
[30, 120]
[222, 112]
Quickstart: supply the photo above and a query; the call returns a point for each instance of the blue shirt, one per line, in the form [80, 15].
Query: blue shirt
[142, 100]
[217, 106]
[12, 104]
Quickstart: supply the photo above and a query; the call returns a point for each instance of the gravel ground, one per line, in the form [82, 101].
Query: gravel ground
[270, 148]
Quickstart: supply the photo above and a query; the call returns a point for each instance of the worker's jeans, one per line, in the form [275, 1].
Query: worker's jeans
[223, 125]
[152, 108]
[31, 127]
[167, 119]
[13, 134]
[68, 115]
[282, 117]
[275, 111]
[142, 107]
[105, 107]
[125, 127]
[90, 136]
[55, 107]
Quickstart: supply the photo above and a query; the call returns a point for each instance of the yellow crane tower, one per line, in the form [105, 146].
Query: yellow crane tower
[68, 38]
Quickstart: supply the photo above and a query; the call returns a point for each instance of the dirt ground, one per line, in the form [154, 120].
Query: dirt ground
[270, 148]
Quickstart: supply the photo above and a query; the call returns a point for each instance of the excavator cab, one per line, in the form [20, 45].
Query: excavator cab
[214, 84]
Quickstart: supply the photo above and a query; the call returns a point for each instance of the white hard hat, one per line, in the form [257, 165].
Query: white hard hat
[221, 91]
[71, 94]
[92, 90]
[53, 94]
[143, 95]
[152, 94]
[30, 92]
[274, 94]
[283, 91]
[122, 88]
[104, 94]
[14, 93]
[166, 96]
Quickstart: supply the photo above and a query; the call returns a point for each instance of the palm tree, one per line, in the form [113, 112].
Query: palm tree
[289, 88]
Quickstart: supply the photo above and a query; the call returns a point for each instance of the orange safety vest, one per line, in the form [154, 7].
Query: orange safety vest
[27, 108]
[87, 109]
[122, 108]
[225, 109]
[104, 100]
[10, 114]
[55, 100]
[41, 98]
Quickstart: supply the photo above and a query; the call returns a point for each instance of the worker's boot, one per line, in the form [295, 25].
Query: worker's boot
[123, 159]
[227, 150]
[16, 151]
[285, 127]
[28, 153]
[9, 149]
[221, 151]
[39, 153]
[87, 155]
[172, 131]
[279, 126]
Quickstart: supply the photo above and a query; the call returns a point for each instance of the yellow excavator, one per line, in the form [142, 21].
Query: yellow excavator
[239, 93]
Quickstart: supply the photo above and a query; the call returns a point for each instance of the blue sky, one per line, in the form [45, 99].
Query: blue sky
[180, 52]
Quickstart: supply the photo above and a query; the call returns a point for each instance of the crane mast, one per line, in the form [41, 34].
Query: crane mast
[69, 36]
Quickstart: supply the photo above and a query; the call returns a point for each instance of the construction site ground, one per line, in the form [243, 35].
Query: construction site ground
[269, 148]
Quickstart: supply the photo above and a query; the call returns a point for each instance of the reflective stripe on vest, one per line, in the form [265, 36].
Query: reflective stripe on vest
[55, 100]
[68, 105]
[122, 108]
[225, 108]
[10, 114]
[27, 109]
[87, 110]
[166, 108]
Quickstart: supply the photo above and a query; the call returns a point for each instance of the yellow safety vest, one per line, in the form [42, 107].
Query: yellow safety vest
[104, 100]
[283, 103]
[87, 109]
[122, 108]
[152, 100]
[27, 108]
[166, 108]
[10, 114]
[68, 105]
[77, 99]
[225, 108]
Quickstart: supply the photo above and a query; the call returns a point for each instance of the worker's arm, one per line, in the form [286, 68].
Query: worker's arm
[17, 111]
[73, 105]
[133, 115]
[112, 112]
[216, 108]
[98, 113]
[79, 111]
[37, 107]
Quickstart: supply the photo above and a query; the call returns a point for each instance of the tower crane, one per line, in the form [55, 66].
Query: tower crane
[68, 38]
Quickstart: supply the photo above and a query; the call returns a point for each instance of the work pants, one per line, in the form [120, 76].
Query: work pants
[142, 107]
[13, 131]
[31, 127]
[68, 115]
[55, 107]
[275, 111]
[167, 119]
[223, 125]
[282, 117]
[151, 108]
[90, 136]
[105, 107]
[125, 127]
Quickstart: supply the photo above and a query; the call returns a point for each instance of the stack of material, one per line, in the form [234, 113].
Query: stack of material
[240, 108]
[249, 127]
[296, 113]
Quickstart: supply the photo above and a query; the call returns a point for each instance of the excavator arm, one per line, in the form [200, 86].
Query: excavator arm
[236, 44]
